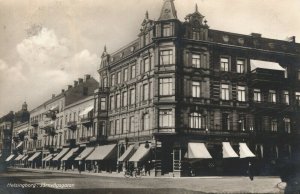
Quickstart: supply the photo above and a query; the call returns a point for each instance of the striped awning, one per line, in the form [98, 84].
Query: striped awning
[69, 154]
[61, 154]
[127, 154]
[85, 153]
[25, 158]
[9, 158]
[140, 153]
[34, 156]
[86, 111]
[104, 152]
[19, 157]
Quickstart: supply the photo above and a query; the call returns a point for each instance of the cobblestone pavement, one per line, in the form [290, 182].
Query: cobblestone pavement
[49, 181]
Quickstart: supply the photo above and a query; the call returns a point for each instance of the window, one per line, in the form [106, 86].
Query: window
[132, 72]
[165, 86]
[196, 60]
[125, 75]
[166, 57]
[118, 101]
[146, 122]
[196, 120]
[256, 95]
[225, 92]
[274, 125]
[124, 126]
[131, 124]
[145, 92]
[298, 74]
[146, 66]
[272, 96]
[105, 82]
[196, 89]
[166, 30]
[112, 103]
[112, 81]
[297, 96]
[118, 77]
[124, 99]
[102, 103]
[241, 122]
[111, 128]
[225, 121]
[132, 96]
[165, 118]
[224, 66]
[241, 93]
[240, 66]
[287, 125]
[286, 98]
[117, 125]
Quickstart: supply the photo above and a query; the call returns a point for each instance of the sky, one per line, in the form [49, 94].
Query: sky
[46, 44]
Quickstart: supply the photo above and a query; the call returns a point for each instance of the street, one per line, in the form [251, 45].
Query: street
[38, 181]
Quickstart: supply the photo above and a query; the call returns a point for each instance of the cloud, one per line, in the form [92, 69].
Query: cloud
[46, 65]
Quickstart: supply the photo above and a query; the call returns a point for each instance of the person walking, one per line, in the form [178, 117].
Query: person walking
[251, 171]
[79, 166]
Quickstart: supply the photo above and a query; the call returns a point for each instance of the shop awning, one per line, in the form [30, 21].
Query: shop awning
[127, 154]
[19, 144]
[85, 153]
[140, 153]
[61, 154]
[49, 156]
[10, 157]
[34, 156]
[86, 111]
[25, 158]
[69, 154]
[245, 152]
[265, 65]
[23, 130]
[228, 151]
[197, 151]
[104, 152]
[19, 157]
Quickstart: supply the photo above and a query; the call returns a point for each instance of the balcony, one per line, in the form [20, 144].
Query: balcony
[268, 107]
[86, 121]
[72, 125]
[70, 142]
[34, 136]
[83, 139]
[92, 139]
[266, 77]
[35, 123]
[16, 139]
[217, 133]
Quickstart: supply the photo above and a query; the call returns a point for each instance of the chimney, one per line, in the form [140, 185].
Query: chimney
[256, 35]
[63, 91]
[80, 80]
[53, 95]
[75, 83]
[86, 77]
[70, 86]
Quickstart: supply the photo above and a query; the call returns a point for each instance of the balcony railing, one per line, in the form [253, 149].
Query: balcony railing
[83, 139]
[266, 76]
[268, 106]
[70, 142]
[219, 133]
[72, 125]
[87, 121]
[35, 123]
[92, 138]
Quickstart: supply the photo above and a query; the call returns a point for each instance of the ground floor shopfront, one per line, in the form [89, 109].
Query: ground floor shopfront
[165, 156]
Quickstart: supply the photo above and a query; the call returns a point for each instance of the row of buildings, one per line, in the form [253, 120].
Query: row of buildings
[180, 98]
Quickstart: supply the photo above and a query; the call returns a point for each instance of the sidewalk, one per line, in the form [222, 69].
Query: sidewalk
[121, 174]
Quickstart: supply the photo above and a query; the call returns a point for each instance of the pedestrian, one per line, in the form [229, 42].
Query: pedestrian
[251, 171]
[79, 166]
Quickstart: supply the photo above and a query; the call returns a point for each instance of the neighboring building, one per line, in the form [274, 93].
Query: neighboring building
[196, 94]
[6, 128]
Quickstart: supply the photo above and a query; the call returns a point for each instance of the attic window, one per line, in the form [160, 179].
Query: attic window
[241, 41]
[112, 59]
[225, 38]
[121, 54]
[132, 48]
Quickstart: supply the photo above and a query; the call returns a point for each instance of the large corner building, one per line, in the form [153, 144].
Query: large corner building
[202, 100]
